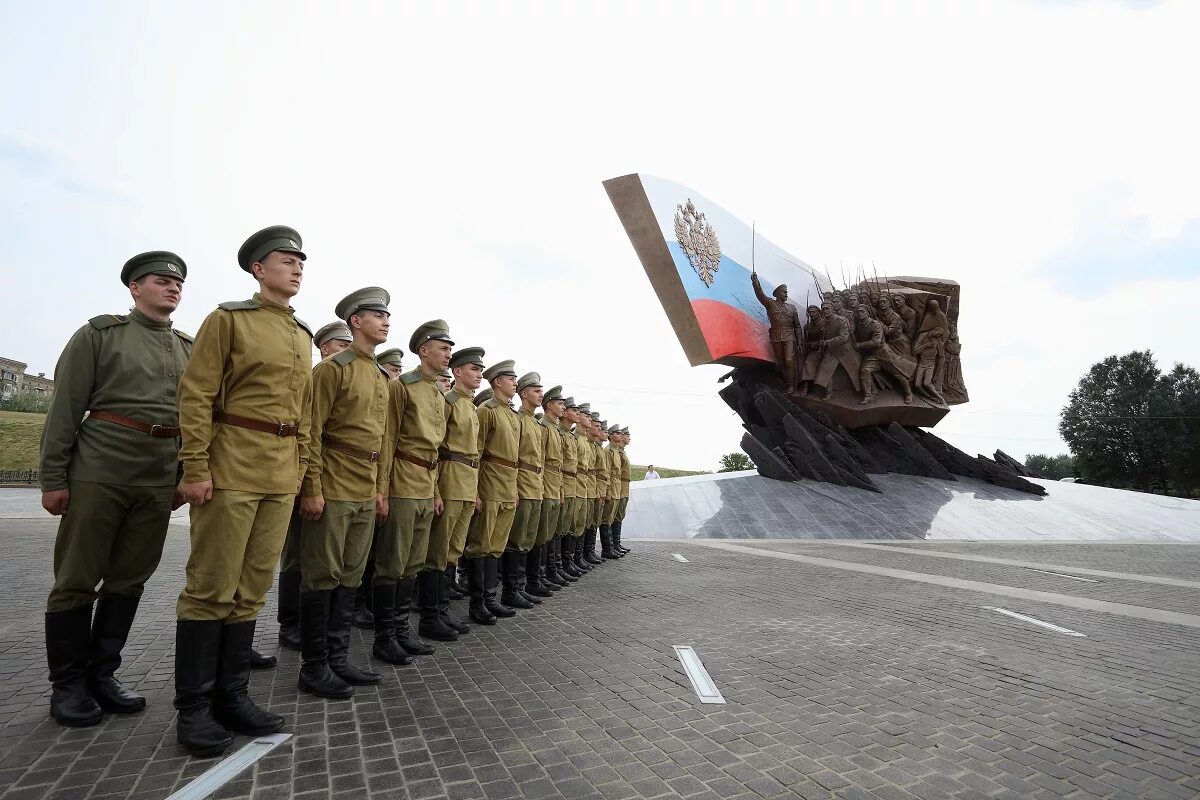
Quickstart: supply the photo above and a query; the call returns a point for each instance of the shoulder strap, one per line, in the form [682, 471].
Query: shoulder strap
[187, 337]
[452, 396]
[240, 305]
[343, 358]
[107, 321]
[410, 377]
[303, 326]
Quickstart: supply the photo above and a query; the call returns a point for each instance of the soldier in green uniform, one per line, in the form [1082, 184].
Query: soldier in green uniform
[111, 477]
[458, 479]
[625, 480]
[609, 513]
[244, 408]
[596, 436]
[523, 535]
[416, 428]
[330, 340]
[537, 580]
[586, 488]
[341, 496]
[621, 475]
[496, 505]
[390, 361]
[558, 561]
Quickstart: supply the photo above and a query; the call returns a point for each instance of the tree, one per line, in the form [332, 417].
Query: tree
[25, 400]
[1112, 423]
[1052, 467]
[735, 462]
[1177, 399]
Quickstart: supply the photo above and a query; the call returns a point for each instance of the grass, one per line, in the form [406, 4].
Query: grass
[20, 435]
[639, 473]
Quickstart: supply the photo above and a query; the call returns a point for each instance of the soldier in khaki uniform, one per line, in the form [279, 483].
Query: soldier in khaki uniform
[244, 407]
[523, 535]
[537, 580]
[608, 514]
[416, 428]
[497, 501]
[390, 360]
[600, 477]
[330, 340]
[458, 478]
[586, 488]
[445, 380]
[111, 477]
[621, 438]
[558, 561]
[340, 497]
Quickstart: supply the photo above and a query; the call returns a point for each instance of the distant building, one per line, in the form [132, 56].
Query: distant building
[13, 379]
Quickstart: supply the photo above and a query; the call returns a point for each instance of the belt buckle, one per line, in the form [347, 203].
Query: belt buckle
[154, 429]
[432, 465]
[282, 427]
[374, 456]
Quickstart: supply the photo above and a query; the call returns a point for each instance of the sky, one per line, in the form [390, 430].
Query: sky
[1042, 154]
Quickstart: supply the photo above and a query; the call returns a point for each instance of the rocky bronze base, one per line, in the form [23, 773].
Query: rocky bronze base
[888, 406]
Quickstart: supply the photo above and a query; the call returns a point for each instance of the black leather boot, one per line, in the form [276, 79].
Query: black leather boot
[535, 584]
[110, 629]
[197, 651]
[566, 561]
[289, 609]
[341, 610]
[456, 590]
[406, 588]
[510, 577]
[386, 648]
[491, 583]
[231, 704]
[445, 592]
[462, 577]
[589, 550]
[476, 578]
[606, 548]
[316, 678]
[520, 568]
[68, 635]
[581, 563]
[621, 549]
[259, 661]
[548, 569]
[363, 617]
[432, 626]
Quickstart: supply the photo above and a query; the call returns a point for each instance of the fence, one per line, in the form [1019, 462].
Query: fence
[20, 476]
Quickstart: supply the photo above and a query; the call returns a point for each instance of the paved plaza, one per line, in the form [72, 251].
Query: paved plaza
[848, 671]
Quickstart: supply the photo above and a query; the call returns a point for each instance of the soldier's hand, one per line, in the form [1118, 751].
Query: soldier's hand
[478, 503]
[381, 506]
[197, 493]
[311, 508]
[438, 506]
[56, 502]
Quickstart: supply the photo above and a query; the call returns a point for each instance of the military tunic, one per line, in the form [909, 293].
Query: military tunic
[612, 462]
[416, 428]
[349, 412]
[530, 465]
[552, 481]
[600, 468]
[586, 481]
[121, 480]
[570, 465]
[497, 442]
[251, 359]
[457, 483]
[626, 476]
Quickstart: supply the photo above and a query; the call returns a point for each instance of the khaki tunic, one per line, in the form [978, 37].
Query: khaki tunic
[552, 457]
[601, 469]
[129, 365]
[586, 461]
[251, 359]
[497, 437]
[457, 481]
[416, 425]
[529, 454]
[570, 463]
[349, 408]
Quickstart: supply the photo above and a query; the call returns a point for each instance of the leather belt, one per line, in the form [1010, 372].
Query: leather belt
[569, 474]
[277, 428]
[155, 431]
[554, 469]
[529, 467]
[504, 462]
[365, 455]
[420, 462]
[458, 458]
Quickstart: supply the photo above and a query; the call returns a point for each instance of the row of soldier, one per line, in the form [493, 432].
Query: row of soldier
[870, 334]
[333, 468]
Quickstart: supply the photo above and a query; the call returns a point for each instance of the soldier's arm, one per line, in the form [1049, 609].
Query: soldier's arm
[326, 382]
[840, 338]
[391, 433]
[485, 427]
[198, 391]
[305, 429]
[74, 379]
[758, 292]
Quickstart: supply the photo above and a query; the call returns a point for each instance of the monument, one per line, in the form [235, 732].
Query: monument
[837, 389]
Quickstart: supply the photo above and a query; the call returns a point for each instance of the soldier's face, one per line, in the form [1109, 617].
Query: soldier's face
[570, 416]
[445, 381]
[436, 353]
[468, 376]
[157, 292]
[860, 313]
[280, 273]
[371, 325]
[555, 408]
[533, 394]
[333, 347]
[394, 371]
[505, 385]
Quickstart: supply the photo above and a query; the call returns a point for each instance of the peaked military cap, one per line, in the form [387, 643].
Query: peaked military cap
[553, 393]
[603, 425]
[268, 240]
[156, 262]
[483, 397]
[500, 368]
[615, 428]
[446, 373]
[570, 401]
[372, 298]
[434, 329]
[467, 355]
[529, 379]
[584, 408]
[392, 356]
[595, 415]
[334, 330]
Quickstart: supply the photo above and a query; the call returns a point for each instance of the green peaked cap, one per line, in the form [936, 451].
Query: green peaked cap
[334, 330]
[500, 368]
[527, 380]
[434, 329]
[392, 356]
[483, 397]
[268, 240]
[156, 262]
[467, 355]
[371, 298]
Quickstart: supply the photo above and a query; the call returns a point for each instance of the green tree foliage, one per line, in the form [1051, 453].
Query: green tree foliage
[735, 462]
[1127, 424]
[1052, 467]
[26, 402]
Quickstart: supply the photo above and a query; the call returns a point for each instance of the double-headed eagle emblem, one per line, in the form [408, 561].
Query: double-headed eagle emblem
[699, 241]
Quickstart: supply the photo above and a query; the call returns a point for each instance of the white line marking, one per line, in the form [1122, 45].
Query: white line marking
[228, 768]
[1061, 575]
[706, 690]
[1035, 621]
[679, 557]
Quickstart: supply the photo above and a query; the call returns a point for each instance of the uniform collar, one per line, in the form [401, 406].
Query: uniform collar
[271, 305]
[142, 319]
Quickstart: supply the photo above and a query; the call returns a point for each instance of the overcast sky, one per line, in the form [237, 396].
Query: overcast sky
[1043, 154]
